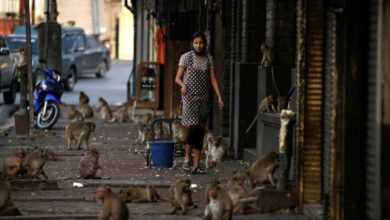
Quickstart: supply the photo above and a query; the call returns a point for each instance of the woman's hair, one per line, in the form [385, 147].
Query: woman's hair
[203, 37]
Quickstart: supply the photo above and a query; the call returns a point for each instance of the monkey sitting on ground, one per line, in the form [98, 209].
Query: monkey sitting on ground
[89, 165]
[83, 98]
[121, 114]
[74, 114]
[113, 207]
[267, 104]
[13, 163]
[262, 170]
[35, 161]
[180, 133]
[86, 111]
[139, 194]
[6, 206]
[266, 59]
[219, 205]
[237, 190]
[80, 132]
[104, 109]
[215, 151]
[180, 195]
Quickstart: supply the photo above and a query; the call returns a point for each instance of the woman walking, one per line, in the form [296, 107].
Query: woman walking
[194, 75]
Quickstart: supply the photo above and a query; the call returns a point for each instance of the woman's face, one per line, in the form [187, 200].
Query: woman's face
[198, 45]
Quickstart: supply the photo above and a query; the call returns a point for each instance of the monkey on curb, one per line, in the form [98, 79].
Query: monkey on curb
[34, 163]
[139, 194]
[13, 163]
[83, 98]
[113, 207]
[89, 167]
[262, 171]
[219, 205]
[104, 109]
[80, 132]
[180, 195]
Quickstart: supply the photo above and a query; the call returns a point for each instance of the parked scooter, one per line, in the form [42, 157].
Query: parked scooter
[47, 98]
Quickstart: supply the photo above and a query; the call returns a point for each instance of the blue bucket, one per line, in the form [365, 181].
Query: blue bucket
[162, 153]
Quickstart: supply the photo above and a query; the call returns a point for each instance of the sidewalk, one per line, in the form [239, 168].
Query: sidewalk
[121, 168]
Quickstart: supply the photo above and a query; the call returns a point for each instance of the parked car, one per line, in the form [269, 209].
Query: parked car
[81, 54]
[8, 76]
[17, 41]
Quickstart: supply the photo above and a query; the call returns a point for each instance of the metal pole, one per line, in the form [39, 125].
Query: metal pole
[33, 12]
[28, 58]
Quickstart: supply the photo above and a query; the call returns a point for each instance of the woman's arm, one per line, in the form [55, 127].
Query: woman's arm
[215, 85]
[179, 81]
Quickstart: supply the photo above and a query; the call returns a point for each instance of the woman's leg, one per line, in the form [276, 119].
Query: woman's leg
[187, 156]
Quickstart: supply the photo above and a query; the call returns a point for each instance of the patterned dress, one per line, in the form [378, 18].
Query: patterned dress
[197, 80]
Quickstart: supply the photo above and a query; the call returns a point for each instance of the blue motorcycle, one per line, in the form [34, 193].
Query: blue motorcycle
[47, 98]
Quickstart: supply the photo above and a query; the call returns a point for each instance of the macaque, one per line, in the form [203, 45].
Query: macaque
[262, 170]
[6, 206]
[237, 191]
[215, 151]
[121, 114]
[180, 133]
[83, 98]
[80, 132]
[139, 194]
[282, 103]
[267, 104]
[161, 131]
[74, 114]
[113, 207]
[86, 111]
[219, 205]
[145, 133]
[13, 163]
[34, 162]
[105, 110]
[266, 51]
[89, 165]
[180, 195]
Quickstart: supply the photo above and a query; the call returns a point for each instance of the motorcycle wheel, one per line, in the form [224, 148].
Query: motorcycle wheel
[50, 118]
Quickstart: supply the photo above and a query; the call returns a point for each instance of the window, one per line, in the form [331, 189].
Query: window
[91, 42]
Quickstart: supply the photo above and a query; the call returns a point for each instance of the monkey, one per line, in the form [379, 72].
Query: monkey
[215, 151]
[139, 194]
[7, 208]
[89, 165]
[121, 114]
[113, 207]
[161, 131]
[180, 133]
[145, 133]
[86, 111]
[80, 132]
[266, 51]
[262, 170]
[219, 205]
[267, 104]
[13, 163]
[282, 103]
[74, 114]
[238, 191]
[83, 98]
[34, 163]
[180, 195]
[105, 110]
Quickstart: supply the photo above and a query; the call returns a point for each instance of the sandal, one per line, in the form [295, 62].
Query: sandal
[198, 170]
[187, 165]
